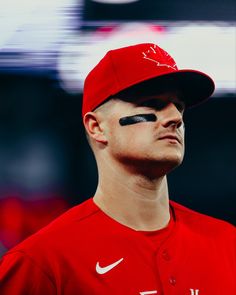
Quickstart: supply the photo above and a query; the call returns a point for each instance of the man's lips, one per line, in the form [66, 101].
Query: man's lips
[170, 136]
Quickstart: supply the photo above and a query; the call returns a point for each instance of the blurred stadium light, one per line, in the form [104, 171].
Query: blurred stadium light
[36, 164]
[31, 32]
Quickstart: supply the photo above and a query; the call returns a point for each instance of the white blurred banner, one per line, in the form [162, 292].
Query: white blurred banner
[208, 47]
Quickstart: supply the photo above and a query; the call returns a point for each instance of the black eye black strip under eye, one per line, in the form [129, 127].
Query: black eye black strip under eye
[137, 119]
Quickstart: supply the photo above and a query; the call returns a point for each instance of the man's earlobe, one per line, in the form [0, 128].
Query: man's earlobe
[93, 127]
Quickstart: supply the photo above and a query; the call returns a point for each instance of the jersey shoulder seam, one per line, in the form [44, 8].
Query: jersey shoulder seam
[35, 263]
[207, 218]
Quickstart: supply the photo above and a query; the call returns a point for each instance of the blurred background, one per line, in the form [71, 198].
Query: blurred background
[46, 50]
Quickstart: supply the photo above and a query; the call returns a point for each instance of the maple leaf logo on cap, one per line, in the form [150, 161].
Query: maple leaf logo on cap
[160, 58]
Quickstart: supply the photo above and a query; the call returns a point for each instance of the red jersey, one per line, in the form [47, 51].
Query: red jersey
[85, 252]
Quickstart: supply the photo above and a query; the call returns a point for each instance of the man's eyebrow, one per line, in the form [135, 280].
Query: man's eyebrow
[161, 103]
[153, 103]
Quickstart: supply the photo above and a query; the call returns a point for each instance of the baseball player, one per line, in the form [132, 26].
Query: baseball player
[130, 238]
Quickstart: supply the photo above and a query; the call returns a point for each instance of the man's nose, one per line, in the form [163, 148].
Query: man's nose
[171, 116]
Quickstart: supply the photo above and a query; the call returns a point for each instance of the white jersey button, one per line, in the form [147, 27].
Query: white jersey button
[166, 255]
[172, 281]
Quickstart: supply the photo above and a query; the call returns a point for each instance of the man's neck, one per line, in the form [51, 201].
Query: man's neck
[134, 200]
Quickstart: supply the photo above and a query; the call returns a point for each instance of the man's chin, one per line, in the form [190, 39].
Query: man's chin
[164, 168]
[154, 168]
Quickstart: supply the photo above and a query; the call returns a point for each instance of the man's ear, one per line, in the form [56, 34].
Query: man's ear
[93, 127]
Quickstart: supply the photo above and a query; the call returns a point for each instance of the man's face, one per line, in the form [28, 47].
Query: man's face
[153, 140]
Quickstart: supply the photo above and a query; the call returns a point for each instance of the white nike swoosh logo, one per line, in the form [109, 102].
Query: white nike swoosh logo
[148, 292]
[102, 270]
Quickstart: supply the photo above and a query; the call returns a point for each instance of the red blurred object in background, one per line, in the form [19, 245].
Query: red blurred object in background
[20, 218]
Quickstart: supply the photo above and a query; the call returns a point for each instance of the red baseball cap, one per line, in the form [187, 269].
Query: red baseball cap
[139, 70]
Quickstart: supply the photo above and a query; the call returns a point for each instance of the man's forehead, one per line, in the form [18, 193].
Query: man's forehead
[167, 96]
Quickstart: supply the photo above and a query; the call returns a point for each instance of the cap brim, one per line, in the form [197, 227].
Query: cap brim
[195, 87]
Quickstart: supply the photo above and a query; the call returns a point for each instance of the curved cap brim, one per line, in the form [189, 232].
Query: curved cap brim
[194, 86]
